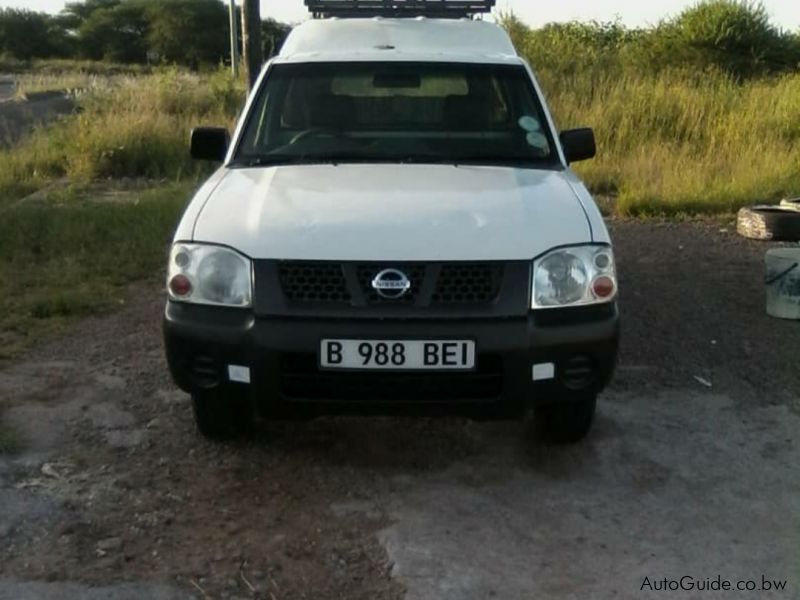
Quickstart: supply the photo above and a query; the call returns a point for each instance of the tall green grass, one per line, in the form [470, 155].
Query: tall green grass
[126, 127]
[671, 140]
[685, 143]
[111, 181]
[698, 115]
[70, 256]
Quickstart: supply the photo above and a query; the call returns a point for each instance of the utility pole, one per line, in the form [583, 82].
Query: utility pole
[234, 39]
[251, 40]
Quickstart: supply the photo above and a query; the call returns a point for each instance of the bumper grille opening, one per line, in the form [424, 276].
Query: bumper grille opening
[205, 371]
[578, 373]
[301, 379]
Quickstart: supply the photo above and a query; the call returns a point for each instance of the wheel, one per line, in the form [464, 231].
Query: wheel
[222, 414]
[769, 223]
[565, 421]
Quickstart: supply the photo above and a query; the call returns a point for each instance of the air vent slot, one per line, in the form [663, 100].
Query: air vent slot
[205, 371]
[578, 373]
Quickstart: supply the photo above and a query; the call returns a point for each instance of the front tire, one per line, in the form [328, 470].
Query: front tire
[222, 414]
[566, 421]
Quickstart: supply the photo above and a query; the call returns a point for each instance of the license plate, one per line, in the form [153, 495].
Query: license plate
[408, 355]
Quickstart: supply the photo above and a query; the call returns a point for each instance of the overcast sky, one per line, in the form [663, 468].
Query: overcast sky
[785, 13]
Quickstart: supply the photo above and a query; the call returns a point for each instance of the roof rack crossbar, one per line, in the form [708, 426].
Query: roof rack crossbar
[435, 9]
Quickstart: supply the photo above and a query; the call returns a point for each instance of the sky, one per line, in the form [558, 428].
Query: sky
[785, 13]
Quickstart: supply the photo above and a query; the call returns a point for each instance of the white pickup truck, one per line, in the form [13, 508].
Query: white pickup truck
[395, 229]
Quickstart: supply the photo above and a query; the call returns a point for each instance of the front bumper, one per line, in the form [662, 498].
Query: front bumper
[285, 381]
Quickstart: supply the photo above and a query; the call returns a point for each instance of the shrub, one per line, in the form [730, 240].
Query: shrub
[127, 127]
[728, 35]
[735, 36]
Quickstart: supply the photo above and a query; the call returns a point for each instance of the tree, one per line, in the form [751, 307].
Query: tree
[26, 34]
[735, 35]
[75, 14]
[117, 33]
[189, 32]
[273, 34]
[185, 32]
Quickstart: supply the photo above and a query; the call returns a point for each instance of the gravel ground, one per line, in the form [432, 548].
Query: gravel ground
[692, 469]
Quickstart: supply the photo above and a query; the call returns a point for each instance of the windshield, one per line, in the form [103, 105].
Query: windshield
[396, 112]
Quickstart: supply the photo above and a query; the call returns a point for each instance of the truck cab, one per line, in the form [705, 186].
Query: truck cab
[395, 228]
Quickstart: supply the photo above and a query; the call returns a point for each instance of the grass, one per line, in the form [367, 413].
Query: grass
[65, 74]
[59, 66]
[31, 83]
[682, 144]
[672, 142]
[687, 121]
[70, 256]
[88, 203]
[127, 127]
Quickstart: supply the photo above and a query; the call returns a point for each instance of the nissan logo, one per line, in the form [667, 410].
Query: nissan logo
[391, 284]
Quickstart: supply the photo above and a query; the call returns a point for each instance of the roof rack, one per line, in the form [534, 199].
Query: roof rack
[434, 9]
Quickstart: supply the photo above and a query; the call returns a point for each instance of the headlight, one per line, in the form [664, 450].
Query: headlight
[574, 277]
[204, 274]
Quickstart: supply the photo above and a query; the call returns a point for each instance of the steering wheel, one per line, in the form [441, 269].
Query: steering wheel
[318, 131]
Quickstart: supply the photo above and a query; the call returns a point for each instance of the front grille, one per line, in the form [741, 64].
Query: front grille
[468, 284]
[432, 284]
[301, 379]
[313, 282]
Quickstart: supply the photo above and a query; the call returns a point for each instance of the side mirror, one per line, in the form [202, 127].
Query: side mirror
[578, 144]
[210, 143]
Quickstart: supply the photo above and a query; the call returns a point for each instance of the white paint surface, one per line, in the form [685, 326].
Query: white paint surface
[382, 39]
[392, 213]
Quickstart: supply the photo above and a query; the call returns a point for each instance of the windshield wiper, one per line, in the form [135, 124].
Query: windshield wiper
[331, 158]
[268, 160]
[493, 160]
[334, 158]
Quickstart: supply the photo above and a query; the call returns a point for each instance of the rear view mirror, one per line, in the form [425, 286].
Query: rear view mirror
[578, 144]
[210, 143]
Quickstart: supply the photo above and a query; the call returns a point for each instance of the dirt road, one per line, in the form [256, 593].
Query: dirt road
[113, 495]
[18, 117]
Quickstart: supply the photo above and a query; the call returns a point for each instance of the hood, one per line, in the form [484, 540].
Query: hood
[393, 213]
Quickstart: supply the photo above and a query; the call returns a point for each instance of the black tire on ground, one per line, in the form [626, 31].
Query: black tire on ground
[769, 223]
[566, 421]
[222, 414]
